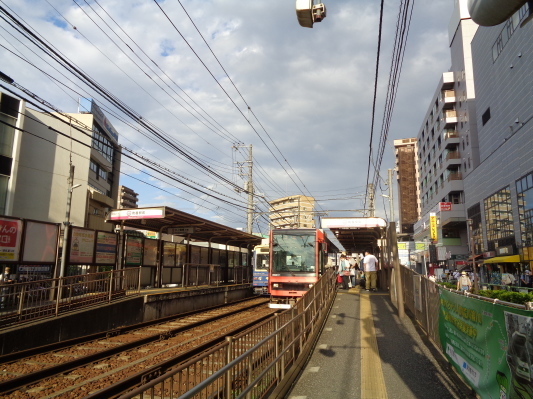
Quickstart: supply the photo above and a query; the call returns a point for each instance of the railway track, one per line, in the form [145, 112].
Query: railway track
[119, 360]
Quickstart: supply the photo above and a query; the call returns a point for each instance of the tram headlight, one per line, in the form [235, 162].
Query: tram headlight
[311, 285]
[275, 285]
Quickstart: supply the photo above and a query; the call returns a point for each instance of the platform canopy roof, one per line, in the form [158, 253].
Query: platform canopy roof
[172, 221]
[356, 234]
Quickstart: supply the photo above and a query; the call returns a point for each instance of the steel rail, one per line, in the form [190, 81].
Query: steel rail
[144, 377]
[22, 381]
[11, 357]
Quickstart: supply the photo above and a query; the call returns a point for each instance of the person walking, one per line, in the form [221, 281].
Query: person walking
[5, 279]
[464, 283]
[344, 271]
[370, 267]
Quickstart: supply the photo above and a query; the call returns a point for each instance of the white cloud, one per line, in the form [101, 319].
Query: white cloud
[311, 89]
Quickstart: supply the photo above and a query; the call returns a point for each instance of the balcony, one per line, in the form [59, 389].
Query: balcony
[451, 138]
[453, 155]
[447, 81]
[455, 176]
[448, 99]
[449, 117]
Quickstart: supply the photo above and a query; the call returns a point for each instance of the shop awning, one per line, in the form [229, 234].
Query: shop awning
[503, 259]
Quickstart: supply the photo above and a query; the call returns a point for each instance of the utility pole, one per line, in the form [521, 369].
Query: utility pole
[249, 187]
[66, 223]
[391, 201]
[371, 199]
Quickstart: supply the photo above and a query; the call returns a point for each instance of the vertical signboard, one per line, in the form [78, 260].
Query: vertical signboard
[106, 248]
[150, 252]
[134, 247]
[10, 237]
[82, 246]
[181, 254]
[43, 238]
[169, 254]
[490, 345]
[433, 235]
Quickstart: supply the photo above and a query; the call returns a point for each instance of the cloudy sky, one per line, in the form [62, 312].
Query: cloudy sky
[302, 98]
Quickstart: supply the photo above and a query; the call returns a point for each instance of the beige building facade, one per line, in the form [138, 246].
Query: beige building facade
[294, 211]
[42, 153]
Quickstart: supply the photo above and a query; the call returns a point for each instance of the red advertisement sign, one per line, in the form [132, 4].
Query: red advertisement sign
[10, 232]
[445, 206]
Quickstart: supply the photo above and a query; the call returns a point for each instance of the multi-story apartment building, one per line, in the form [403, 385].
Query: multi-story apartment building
[292, 212]
[448, 148]
[475, 158]
[407, 179]
[42, 155]
[128, 198]
[499, 191]
[11, 119]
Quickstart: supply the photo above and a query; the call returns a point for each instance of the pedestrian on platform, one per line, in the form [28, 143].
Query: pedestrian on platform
[5, 279]
[344, 271]
[371, 271]
[464, 283]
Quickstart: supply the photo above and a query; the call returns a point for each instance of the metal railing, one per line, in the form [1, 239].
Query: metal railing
[253, 363]
[422, 298]
[20, 302]
[198, 274]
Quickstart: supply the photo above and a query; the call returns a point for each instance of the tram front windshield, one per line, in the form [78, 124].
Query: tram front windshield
[293, 252]
[261, 261]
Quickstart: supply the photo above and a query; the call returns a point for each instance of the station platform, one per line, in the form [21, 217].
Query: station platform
[365, 351]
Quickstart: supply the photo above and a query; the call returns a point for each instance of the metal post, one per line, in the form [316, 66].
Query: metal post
[470, 223]
[397, 271]
[66, 223]
[229, 358]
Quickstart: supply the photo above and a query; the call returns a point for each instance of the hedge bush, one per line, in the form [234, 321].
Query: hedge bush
[507, 296]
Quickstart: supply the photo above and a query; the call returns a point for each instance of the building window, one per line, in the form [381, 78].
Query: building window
[102, 173]
[102, 144]
[499, 218]
[474, 213]
[486, 116]
[524, 190]
[94, 167]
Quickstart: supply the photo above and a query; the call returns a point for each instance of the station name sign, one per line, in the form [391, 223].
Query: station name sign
[181, 230]
[369, 222]
[129, 214]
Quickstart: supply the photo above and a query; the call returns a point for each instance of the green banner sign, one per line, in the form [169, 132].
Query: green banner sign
[490, 345]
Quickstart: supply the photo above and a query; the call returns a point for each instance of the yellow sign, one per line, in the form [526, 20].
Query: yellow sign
[433, 235]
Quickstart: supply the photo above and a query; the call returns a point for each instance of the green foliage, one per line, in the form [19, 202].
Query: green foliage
[507, 296]
[448, 285]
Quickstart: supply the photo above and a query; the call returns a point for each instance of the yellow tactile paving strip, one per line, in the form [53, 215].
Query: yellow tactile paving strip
[372, 381]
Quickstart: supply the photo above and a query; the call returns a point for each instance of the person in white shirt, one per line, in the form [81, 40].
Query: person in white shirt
[371, 274]
[464, 283]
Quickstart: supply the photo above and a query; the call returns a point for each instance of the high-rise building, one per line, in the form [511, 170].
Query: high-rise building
[448, 148]
[499, 190]
[128, 198]
[292, 212]
[475, 149]
[407, 179]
